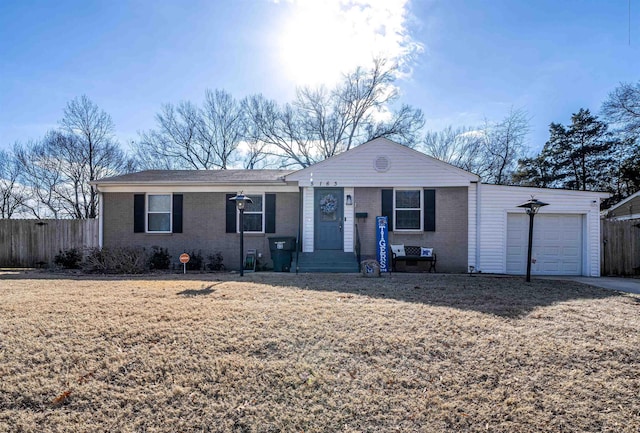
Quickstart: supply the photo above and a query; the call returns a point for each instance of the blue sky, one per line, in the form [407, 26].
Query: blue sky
[466, 61]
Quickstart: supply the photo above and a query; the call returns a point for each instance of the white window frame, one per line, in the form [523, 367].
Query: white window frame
[421, 209]
[252, 213]
[147, 212]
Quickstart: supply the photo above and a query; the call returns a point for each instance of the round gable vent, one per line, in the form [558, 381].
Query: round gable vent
[381, 163]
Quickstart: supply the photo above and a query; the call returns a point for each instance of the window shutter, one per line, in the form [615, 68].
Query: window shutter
[429, 210]
[231, 213]
[138, 213]
[177, 213]
[387, 206]
[270, 213]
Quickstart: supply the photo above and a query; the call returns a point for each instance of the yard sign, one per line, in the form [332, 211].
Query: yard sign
[382, 242]
[184, 259]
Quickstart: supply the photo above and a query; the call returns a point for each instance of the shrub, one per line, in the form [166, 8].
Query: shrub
[195, 261]
[159, 258]
[123, 260]
[68, 259]
[214, 262]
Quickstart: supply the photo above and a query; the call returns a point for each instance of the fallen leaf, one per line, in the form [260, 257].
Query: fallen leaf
[62, 397]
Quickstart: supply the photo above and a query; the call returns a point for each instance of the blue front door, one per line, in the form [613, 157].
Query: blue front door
[328, 219]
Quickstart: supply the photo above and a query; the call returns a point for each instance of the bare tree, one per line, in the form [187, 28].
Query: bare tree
[462, 147]
[622, 109]
[321, 123]
[505, 145]
[42, 173]
[13, 195]
[91, 152]
[278, 132]
[404, 126]
[174, 144]
[59, 169]
[491, 151]
[221, 126]
[256, 156]
[188, 137]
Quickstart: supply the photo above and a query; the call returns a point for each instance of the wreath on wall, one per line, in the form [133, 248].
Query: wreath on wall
[328, 204]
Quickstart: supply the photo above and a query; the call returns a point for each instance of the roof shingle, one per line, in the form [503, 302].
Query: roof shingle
[198, 176]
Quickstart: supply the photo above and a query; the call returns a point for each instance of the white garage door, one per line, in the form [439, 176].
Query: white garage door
[557, 244]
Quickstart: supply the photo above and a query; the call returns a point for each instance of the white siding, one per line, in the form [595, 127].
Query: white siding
[307, 218]
[496, 201]
[406, 168]
[349, 227]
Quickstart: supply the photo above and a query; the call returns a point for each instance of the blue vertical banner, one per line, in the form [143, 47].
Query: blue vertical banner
[382, 243]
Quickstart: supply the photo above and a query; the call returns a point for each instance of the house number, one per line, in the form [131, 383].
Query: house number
[327, 183]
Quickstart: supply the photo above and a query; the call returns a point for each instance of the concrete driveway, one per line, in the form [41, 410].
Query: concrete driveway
[629, 285]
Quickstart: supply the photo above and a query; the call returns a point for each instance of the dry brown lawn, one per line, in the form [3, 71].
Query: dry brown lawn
[315, 353]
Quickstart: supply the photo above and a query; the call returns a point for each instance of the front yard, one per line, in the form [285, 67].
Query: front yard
[315, 353]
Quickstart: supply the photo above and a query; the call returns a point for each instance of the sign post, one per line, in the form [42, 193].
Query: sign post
[382, 242]
[184, 259]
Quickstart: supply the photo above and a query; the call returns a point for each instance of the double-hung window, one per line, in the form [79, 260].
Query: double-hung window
[254, 214]
[407, 208]
[159, 213]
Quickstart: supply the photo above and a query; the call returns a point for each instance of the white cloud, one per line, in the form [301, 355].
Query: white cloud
[322, 39]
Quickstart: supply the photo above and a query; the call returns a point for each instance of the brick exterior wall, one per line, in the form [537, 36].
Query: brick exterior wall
[203, 227]
[449, 241]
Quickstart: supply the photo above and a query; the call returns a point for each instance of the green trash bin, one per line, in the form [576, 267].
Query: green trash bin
[281, 260]
[281, 248]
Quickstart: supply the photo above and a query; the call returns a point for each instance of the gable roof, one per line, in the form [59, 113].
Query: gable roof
[629, 208]
[625, 201]
[197, 177]
[382, 163]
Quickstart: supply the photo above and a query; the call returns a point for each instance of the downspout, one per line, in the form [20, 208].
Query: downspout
[298, 244]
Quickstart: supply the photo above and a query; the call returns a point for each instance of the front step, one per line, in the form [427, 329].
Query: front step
[327, 261]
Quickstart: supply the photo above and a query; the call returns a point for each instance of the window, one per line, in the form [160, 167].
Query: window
[259, 216]
[159, 213]
[416, 209]
[254, 214]
[407, 209]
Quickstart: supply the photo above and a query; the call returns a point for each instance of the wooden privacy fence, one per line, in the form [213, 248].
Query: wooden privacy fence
[28, 243]
[620, 247]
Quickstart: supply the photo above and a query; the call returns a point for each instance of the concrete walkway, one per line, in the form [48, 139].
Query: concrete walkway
[629, 285]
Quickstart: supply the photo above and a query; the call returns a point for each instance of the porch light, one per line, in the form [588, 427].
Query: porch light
[531, 206]
[349, 200]
[241, 202]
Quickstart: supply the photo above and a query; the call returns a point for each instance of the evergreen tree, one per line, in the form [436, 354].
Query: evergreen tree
[590, 152]
[578, 156]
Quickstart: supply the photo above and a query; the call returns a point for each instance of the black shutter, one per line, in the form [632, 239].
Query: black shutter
[138, 213]
[387, 206]
[270, 213]
[177, 213]
[429, 210]
[231, 213]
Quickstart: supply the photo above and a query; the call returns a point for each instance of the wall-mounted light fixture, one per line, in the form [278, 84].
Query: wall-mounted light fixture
[349, 200]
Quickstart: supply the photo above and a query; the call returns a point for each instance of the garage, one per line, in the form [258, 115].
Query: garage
[557, 244]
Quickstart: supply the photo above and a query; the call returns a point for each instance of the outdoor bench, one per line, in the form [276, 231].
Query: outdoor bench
[411, 255]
